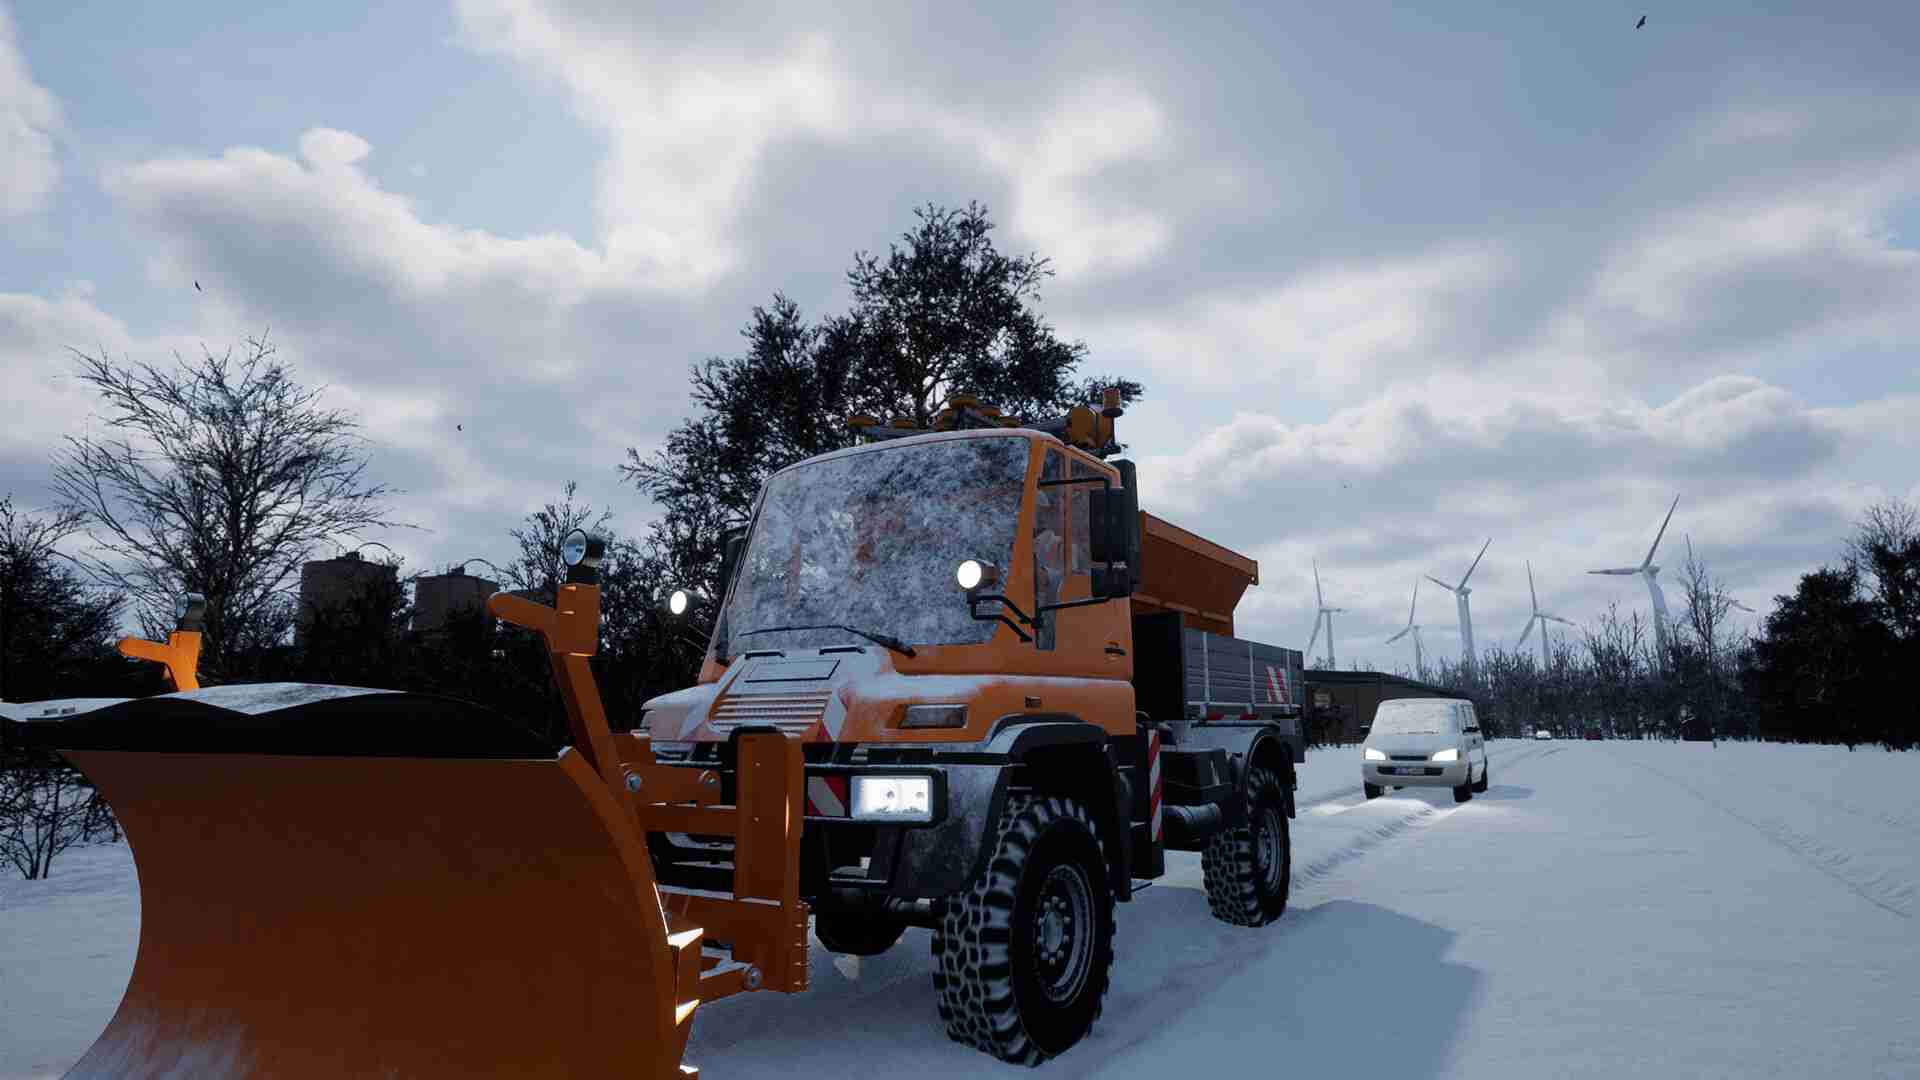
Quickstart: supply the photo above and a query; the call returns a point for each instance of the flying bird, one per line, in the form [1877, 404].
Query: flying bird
[197, 288]
[1641, 23]
[459, 427]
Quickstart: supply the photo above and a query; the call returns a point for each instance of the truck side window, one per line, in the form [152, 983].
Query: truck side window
[1049, 544]
[1080, 558]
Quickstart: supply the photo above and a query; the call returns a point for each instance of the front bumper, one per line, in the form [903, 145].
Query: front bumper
[1423, 773]
[844, 858]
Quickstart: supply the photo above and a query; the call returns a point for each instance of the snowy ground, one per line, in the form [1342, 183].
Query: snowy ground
[1607, 909]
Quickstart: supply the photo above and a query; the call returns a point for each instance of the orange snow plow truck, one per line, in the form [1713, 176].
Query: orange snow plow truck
[956, 681]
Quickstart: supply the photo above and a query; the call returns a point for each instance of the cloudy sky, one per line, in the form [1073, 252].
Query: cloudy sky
[1396, 282]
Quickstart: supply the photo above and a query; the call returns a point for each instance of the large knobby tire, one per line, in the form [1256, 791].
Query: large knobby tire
[1249, 868]
[1463, 792]
[857, 935]
[1022, 956]
[1486, 771]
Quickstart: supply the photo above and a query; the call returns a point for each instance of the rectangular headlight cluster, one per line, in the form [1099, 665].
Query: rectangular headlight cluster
[893, 798]
[1371, 754]
[934, 716]
[1447, 755]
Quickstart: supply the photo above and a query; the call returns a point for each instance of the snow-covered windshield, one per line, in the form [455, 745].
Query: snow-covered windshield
[1405, 717]
[872, 540]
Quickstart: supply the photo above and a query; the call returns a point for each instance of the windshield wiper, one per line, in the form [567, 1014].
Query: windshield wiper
[887, 640]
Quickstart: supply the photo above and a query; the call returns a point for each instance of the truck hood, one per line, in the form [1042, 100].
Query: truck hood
[838, 697]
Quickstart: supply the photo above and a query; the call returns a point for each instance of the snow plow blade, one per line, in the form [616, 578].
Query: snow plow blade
[339, 882]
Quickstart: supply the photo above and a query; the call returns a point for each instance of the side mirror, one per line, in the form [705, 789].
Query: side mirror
[1111, 527]
[1106, 525]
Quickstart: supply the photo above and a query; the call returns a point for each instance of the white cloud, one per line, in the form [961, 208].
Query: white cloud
[1754, 272]
[29, 118]
[1413, 480]
[692, 123]
[1338, 327]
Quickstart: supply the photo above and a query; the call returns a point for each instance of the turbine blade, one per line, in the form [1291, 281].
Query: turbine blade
[1528, 632]
[1400, 635]
[1621, 570]
[1558, 619]
[1476, 561]
[1317, 620]
[1661, 533]
[1530, 592]
[1317, 597]
[1442, 584]
[1416, 600]
[1743, 607]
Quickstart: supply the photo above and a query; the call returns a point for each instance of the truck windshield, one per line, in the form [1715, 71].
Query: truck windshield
[1415, 718]
[872, 540]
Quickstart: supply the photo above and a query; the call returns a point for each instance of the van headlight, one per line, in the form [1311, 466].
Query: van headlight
[1370, 754]
[893, 798]
[1448, 755]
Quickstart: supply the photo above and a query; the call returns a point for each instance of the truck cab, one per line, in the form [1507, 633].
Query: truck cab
[946, 620]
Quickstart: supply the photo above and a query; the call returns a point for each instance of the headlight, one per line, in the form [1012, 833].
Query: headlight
[892, 798]
[974, 574]
[677, 602]
[580, 548]
[573, 549]
[1447, 755]
[1370, 754]
[934, 716]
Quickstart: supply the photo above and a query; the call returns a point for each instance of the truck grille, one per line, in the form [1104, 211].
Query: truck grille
[796, 712]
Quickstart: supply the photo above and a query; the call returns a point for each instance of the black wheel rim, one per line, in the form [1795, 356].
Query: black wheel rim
[1269, 853]
[1063, 933]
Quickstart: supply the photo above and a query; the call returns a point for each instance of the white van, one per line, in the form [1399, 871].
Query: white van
[1424, 742]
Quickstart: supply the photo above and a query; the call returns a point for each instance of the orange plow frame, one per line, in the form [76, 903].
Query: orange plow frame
[327, 916]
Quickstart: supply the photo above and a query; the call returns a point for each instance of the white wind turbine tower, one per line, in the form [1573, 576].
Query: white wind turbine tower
[1541, 617]
[1325, 616]
[1651, 573]
[1419, 657]
[1460, 593]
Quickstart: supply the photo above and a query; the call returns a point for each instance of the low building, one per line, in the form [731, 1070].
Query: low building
[1341, 704]
[437, 598]
[335, 583]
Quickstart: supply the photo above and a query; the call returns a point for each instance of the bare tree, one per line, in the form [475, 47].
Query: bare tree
[1886, 548]
[221, 477]
[540, 569]
[46, 807]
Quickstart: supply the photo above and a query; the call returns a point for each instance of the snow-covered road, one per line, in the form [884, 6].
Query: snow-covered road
[1606, 909]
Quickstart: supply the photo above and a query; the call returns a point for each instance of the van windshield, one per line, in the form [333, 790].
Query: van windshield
[1415, 718]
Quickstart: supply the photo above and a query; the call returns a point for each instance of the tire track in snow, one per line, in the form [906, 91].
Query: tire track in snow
[1427, 814]
[1893, 821]
[1324, 866]
[1879, 887]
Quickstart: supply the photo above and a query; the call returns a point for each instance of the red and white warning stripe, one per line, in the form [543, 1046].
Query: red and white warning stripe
[1153, 779]
[826, 796]
[1276, 685]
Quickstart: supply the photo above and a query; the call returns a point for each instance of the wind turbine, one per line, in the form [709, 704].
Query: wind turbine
[1419, 657]
[1541, 617]
[1731, 602]
[1460, 593]
[1325, 616]
[1651, 574]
